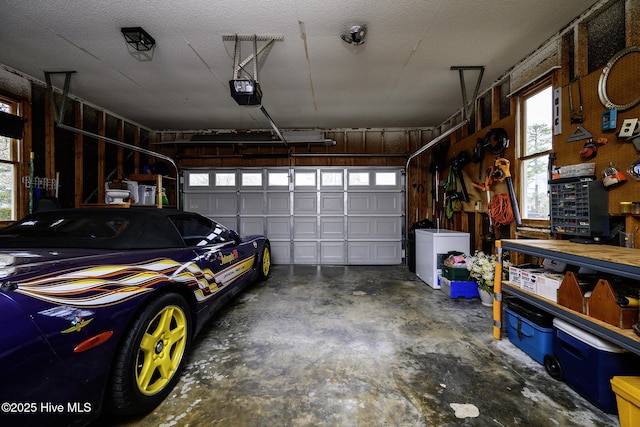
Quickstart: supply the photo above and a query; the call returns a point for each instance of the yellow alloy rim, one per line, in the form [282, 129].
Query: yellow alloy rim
[161, 350]
[266, 261]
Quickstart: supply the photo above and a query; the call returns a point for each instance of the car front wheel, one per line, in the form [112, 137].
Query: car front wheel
[148, 364]
[264, 263]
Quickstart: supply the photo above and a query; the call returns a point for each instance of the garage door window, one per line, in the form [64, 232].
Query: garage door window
[358, 178]
[278, 179]
[385, 178]
[198, 179]
[252, 180]
[331, 179]
[225, 180]
[305, 179]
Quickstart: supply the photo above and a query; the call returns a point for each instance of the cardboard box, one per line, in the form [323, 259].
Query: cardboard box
[548, 284]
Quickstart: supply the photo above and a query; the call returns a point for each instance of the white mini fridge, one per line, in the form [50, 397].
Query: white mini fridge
[429, 244]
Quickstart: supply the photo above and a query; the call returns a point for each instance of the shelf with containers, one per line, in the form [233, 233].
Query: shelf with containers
[623, 262]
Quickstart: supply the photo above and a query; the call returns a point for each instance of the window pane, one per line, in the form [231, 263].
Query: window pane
[6, 192]
[358, 178]
[305, 179]
[278, 178]
[225, 179]
[535, 201]
[5, 148]
[385, 178]
[539, 122]
[198, 180]
[251, 179]
[331, 179]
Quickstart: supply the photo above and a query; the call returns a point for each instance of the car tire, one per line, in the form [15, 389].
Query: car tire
[264, 262]
[148, 363]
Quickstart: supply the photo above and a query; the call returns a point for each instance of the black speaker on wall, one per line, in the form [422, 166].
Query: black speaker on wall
[11, 125]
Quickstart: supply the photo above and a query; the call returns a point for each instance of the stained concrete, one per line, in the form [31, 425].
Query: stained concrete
[361, 346]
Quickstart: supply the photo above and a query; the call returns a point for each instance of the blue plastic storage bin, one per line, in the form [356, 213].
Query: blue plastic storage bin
[587, 364]
[459, 288]
[528, 336]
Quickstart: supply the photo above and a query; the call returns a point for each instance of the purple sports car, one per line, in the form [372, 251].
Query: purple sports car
[98, 306]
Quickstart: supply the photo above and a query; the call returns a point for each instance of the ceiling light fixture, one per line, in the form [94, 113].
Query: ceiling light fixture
[138, 38]
[355, 35]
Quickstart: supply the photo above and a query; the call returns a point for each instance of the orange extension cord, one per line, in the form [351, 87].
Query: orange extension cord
[499, 209]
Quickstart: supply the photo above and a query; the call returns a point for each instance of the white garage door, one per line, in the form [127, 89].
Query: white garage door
[311, 215]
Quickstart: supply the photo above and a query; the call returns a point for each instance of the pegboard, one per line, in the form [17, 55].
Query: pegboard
[623, 86]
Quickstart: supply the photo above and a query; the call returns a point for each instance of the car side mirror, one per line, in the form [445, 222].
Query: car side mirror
[235, 236]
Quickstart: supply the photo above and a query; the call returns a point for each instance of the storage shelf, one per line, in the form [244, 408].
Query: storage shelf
[609, 259]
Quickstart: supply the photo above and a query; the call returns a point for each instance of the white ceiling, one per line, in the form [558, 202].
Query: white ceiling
[400, 77]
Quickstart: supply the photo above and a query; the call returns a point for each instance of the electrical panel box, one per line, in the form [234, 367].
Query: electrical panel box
[579, 208]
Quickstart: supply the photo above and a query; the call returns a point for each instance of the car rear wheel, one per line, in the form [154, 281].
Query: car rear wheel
[264, 262]
[153, 353]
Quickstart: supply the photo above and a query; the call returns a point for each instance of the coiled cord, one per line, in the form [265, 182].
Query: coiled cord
[499, 210]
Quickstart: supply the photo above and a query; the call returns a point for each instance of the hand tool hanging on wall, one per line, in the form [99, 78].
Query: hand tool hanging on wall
[501, 174]
[455, 175]
[579, 134]
[577, 116]
[486, 187]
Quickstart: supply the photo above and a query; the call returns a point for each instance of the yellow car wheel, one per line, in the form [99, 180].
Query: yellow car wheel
[152, 355]
[264, 262]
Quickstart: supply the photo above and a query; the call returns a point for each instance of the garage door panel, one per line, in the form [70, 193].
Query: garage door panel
[332, 203]
[305, 203]
[387, 203]
[202, 203]
[305, 252]
[332, 228]
[278, 203]
[279, 228]
[251, 225]
[370, 253]
[359, 227]
[305, 228]
[225, 204]
[333, 253]
[251, 203]
[359, 203]
[281, 252]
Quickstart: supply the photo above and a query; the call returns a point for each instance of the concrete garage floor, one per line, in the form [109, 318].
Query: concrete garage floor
[361, 346]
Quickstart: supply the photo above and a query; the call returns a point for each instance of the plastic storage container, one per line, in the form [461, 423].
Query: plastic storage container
[627, 390]
[147, 194]
[529, 329]
[455, 273]
[587, 364]
[457, 289]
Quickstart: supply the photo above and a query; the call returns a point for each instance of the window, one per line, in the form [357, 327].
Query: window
[358, 178]
[226, 179]
[305, 179]
[8, 167]
[198, 179]
[278, 179]
[331, 179]
[385, 178]
[251, 179]
[536, 114]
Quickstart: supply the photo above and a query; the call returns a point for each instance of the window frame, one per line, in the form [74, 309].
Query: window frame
[524, 95]
[13, 161]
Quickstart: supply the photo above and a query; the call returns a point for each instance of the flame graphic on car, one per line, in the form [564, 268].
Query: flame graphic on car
[104, 285]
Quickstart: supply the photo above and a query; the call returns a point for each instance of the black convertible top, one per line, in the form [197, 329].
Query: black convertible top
[97, 228]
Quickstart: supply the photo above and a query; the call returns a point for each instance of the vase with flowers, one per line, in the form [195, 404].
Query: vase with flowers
[482, 269]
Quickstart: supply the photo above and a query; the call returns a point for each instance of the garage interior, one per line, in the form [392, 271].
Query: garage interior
[339, 130]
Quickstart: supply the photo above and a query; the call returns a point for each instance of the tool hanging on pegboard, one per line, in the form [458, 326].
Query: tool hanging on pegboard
[577, 116]
[502, 173]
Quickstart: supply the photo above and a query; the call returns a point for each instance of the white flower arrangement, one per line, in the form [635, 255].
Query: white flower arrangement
[482, 269]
